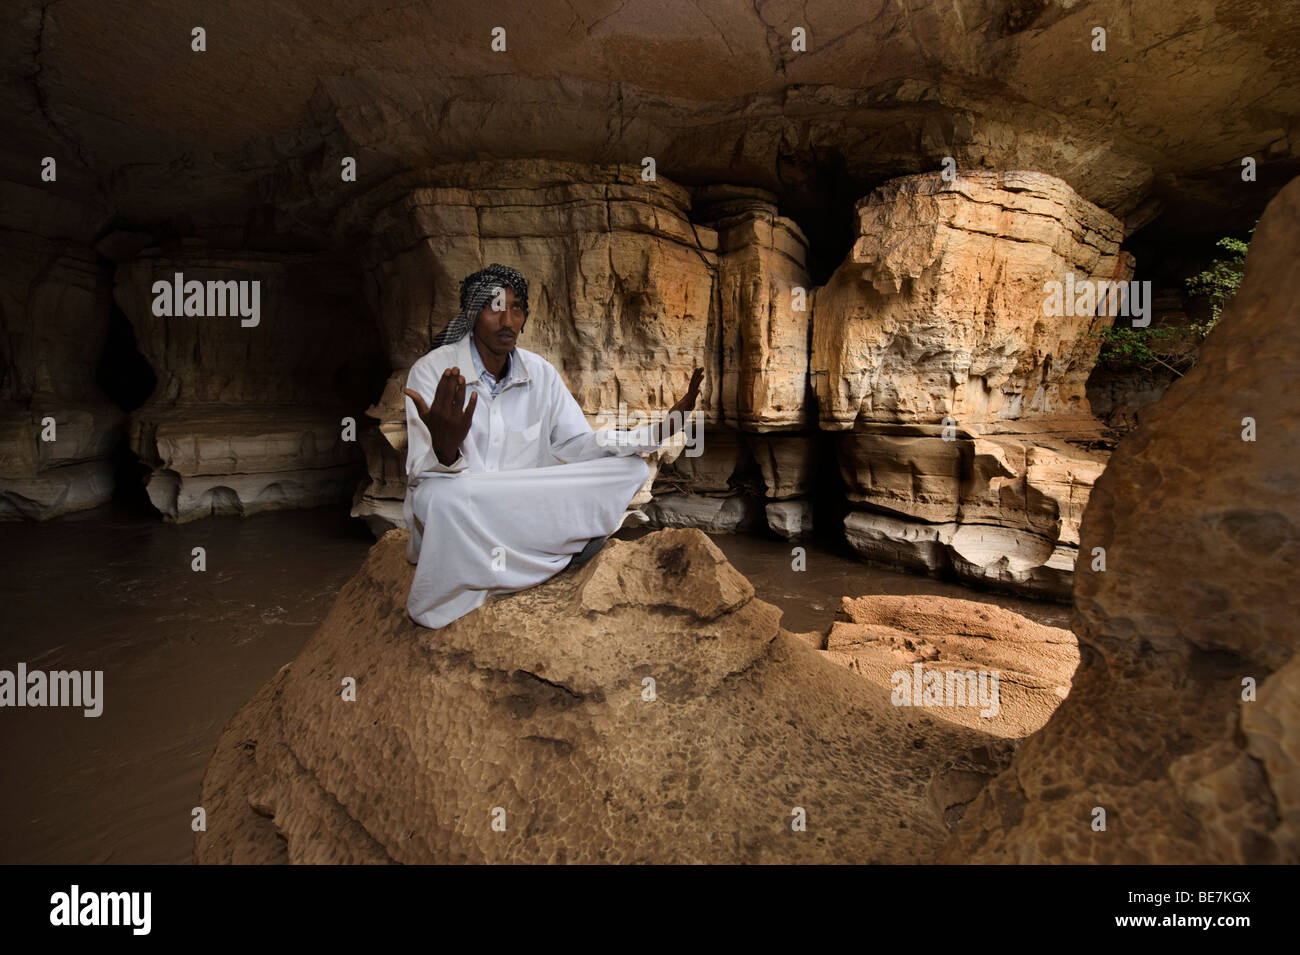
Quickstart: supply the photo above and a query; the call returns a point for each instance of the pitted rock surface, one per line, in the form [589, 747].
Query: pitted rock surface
[535, 707]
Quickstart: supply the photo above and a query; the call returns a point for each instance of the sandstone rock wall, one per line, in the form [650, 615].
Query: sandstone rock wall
[1143, 128]
[952, 327]
[763, 332]
[621, 285]
[971, 446]
[1201, 537]
[634, 283]
[245, 419]
[630, 288]
[57, 427]
[939, 309]
[998, 509]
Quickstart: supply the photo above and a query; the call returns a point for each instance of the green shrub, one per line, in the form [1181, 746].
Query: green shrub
[1175, 346]
[1221, 280]
[1142, 349]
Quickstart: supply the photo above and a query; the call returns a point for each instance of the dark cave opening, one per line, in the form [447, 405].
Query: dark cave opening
[829, 496]
[1167, 256]
[821, 197]
[126, 377]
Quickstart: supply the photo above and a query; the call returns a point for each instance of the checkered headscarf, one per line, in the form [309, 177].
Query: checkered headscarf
[476, 291]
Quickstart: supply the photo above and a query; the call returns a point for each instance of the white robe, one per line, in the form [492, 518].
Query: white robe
[532, 484]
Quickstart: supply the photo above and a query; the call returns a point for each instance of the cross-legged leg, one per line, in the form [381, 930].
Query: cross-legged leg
[503, 531]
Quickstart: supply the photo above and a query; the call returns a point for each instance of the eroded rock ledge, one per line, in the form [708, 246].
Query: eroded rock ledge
[878, 635]
[247, 419]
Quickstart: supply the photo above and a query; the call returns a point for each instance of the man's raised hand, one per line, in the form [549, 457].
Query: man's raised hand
[676, 417]
[447, 422]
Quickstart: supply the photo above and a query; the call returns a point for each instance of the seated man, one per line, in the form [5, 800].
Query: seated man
[502, 500]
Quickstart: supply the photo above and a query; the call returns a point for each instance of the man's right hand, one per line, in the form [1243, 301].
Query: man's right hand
[446, 422]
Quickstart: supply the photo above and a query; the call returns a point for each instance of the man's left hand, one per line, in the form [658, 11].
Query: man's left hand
[676, 417]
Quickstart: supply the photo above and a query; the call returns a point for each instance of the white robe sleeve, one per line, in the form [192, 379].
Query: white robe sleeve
[421, 459]
[572, 438]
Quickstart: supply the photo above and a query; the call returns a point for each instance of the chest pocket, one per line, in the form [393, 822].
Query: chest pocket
[522, 446]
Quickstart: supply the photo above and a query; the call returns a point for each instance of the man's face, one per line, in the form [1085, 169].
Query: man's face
[496, 330]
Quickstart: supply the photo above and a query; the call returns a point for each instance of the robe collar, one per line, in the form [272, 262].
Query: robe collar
[517, 373]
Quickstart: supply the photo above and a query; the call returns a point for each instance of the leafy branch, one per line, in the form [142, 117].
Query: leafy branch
[1219, 283]
[1175, 346]
[1129, 348]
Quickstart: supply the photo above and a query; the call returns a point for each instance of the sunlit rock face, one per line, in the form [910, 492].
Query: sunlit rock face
[940, 311]
[763, 309]
[621, 286]
[961, 382]
[622, 293]
[997, 509]
[252, 407]
[923, 644]
[636, 288]
[1182, 723]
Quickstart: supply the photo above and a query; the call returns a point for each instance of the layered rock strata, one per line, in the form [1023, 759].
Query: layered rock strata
[629, 289]
[924, 650]
[57, 427]
[971, 450]
[970, 447]
[940, 309]
[1000, 509]
[251, 411]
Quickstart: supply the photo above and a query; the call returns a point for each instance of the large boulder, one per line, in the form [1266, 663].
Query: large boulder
[647, 708]
[939, 309]
[969, 445]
